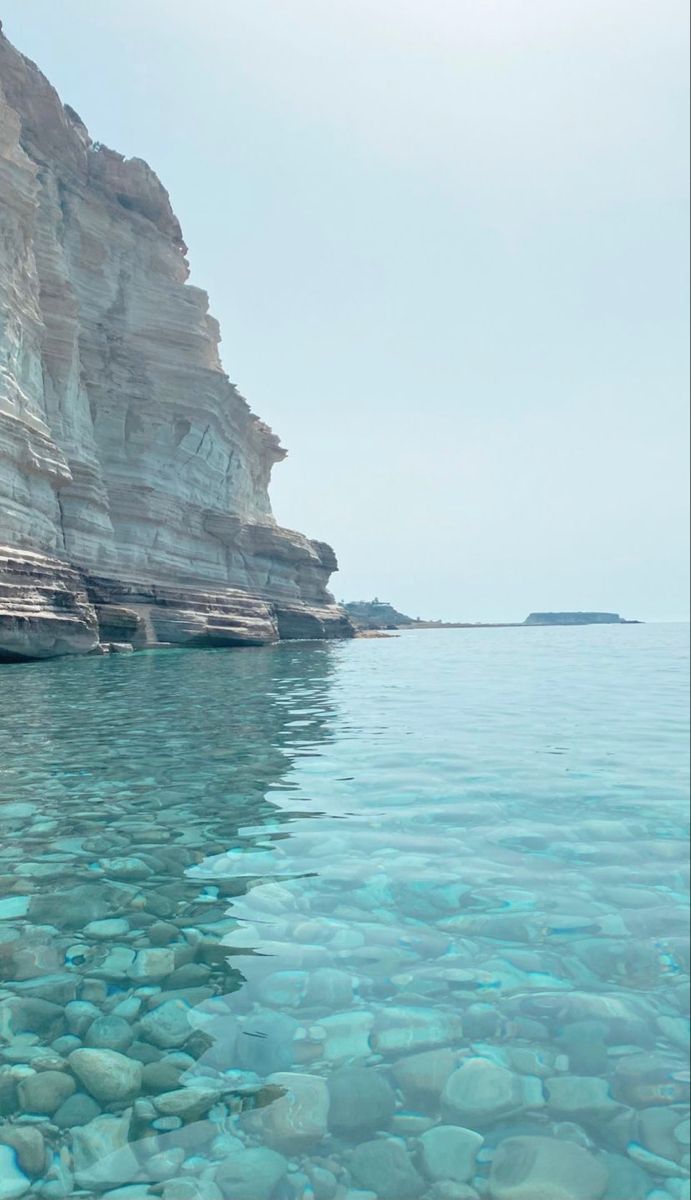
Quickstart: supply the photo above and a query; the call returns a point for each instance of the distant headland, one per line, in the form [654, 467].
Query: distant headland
[378, 614]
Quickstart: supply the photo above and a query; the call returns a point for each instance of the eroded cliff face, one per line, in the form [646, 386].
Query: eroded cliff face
[133, 475]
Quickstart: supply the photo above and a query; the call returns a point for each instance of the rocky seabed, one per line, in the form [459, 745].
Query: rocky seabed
[205, 1026]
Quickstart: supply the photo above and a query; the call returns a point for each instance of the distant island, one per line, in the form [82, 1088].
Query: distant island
[577, 618]
[368, 615]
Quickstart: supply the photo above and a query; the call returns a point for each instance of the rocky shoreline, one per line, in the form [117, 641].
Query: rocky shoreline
[49, 609]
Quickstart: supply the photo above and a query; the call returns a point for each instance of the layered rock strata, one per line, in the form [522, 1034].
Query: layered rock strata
[133, 475]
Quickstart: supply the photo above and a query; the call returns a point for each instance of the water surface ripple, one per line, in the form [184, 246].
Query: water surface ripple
[363, 921]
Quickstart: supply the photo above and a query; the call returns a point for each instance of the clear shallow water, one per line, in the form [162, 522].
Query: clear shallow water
[335, 922]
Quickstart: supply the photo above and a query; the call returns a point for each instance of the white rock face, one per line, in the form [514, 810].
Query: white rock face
[125, 451]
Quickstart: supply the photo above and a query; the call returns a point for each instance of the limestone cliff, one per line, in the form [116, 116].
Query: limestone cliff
[133, 475]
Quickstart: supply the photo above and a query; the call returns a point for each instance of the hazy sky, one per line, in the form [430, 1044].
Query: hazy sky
[445, 240]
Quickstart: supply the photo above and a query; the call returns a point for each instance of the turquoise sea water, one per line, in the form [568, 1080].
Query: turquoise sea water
[361, 921]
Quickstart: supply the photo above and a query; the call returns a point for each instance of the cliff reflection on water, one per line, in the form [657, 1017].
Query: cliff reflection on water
[345, 922]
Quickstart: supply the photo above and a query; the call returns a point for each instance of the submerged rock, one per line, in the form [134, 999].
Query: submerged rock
[13, 1181]
[282, 989]
[399, 1029]
[152, 964]
[78, 1109]
[12, 907]
[9, 1098]
[109, 1033]
[162, 1076]
[538, 1168]
[109, 1076]
[661, 1131]
[58, 1182]
[161, 933]
[26, 1014]
[627, 1181]
[81, 904]
[45, 1092]
[328, 988]
[190, 1103]
[362, 1101]
[29, 1145]
[581, 1098]
[102, 1155]
[107, 930]
[297, 1118]
[655, 1164]
[265, 1042]
[448, 1152]
[584, 1042]
[345, 1036]
[480, 1092]
[422, 1077]
[167, 1025]
[385, 1168]
[79, 1015]
[254, 1173]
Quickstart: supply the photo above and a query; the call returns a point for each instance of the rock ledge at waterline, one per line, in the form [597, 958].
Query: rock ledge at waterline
[134, 477]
